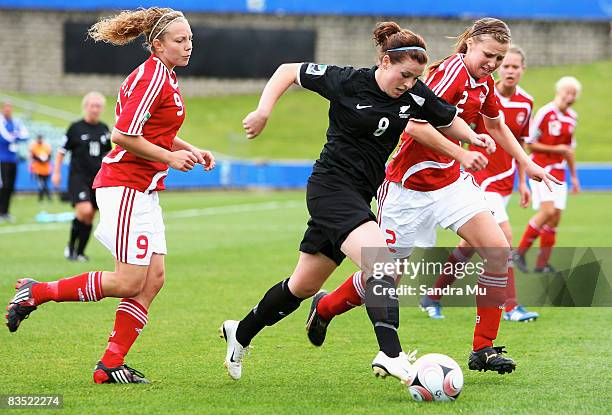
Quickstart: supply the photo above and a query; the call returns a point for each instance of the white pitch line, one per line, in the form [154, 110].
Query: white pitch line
[188, 213]
[220, 210]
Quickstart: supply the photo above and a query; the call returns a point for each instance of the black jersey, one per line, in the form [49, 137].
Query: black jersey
[365, 124]
[88, 143]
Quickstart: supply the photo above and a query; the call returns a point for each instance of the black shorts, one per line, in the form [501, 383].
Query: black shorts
[79, 189]
[335, 211]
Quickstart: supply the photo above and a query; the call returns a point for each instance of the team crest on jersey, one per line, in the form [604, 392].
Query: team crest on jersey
[316, 69]
[403, 112]
[84, 137]
[520, 118]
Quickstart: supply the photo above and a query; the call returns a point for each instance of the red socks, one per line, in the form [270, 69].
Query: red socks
[130, 319]
[84, 287]
[458, 255]
[510, 290]
[488, 308]
[547, 241]
[531, 233]
[344, 298]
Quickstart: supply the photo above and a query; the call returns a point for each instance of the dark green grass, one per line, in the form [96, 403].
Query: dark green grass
[297, 126]
[219, 265]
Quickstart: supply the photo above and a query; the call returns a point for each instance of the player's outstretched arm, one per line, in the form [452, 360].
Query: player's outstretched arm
[182, 160]
[285, 75]
[502, 134]
[427, 135]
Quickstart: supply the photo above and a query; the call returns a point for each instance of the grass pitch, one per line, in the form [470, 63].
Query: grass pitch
[225, 250]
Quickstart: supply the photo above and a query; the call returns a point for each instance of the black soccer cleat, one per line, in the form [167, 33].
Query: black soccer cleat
[520, 262]
[316, 327]
[119, 374]
[21, 305]
[490, 358]
[546, 269]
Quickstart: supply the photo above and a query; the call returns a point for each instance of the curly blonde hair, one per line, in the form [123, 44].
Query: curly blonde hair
[130, 24]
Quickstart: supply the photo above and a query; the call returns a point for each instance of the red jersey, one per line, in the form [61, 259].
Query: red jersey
[418, 167]
[498, 176]
[149, 104]
[551, 126]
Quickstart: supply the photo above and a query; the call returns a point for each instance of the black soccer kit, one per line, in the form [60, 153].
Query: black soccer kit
[88, 144]
[364, 128]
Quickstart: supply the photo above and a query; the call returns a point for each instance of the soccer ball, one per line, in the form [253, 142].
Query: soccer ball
[435, 377]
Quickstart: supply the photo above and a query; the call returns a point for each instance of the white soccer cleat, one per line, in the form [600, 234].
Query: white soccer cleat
[399, 367]
[235, 351]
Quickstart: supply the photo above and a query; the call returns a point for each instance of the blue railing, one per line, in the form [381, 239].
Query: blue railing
[243, 174]
[540, 9]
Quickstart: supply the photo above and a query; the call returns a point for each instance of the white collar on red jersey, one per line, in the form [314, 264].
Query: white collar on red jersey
[172, 79]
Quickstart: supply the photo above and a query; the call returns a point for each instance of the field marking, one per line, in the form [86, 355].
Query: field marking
[187, 213]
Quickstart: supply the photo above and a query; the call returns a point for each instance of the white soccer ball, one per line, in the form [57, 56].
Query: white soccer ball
[435, 377]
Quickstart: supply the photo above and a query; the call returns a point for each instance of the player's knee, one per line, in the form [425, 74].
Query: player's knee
[156, 279]
[130, 285]
[548, 210]
[497, 257]
[305, 290]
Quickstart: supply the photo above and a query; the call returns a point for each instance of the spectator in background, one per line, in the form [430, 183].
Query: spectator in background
[11, 131]
[88, 140]
[40, 153]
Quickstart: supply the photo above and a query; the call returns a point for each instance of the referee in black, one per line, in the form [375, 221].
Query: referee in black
[88, 141]
[369, 109]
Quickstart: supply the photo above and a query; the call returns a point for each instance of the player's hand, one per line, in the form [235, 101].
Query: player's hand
[56, 180]
[473, 160]
[182, 160]
[254, 124]
[484, 140]
[525, 195]
[575, 185]
[207, 159]
[538, 174]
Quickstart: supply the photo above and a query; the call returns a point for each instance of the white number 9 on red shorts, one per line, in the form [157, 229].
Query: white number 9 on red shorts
[131, 224]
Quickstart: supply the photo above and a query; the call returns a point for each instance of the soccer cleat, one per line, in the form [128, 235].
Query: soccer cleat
[21, 305]
[81, 258]
[68, 254]
[119, 374]
[7, 218]
[316, 327]
[431, 307]
[235, 351]
[546, 269]
[519, 313]
[520, 262]
[490, 358]
[399, 367]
